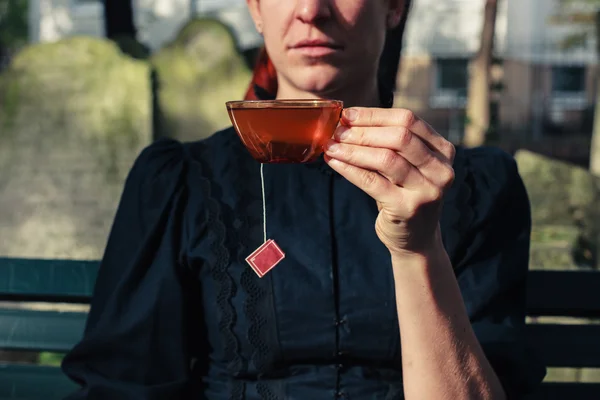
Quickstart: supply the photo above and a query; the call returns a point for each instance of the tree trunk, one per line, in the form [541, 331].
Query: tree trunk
[390, 58]
[118, 19]
[478, 96]
[595, 146]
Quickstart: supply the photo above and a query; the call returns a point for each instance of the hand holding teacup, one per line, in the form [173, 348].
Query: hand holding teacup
[404, 164]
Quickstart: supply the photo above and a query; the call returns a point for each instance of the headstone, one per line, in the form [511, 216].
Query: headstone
[196, 74]
[73, 116]
[565, 201]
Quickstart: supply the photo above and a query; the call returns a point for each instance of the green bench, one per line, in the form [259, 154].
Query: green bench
[571, 294]
[551, 293]
[31, 329]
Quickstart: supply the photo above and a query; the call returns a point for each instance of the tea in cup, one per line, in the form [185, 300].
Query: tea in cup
[285, 131]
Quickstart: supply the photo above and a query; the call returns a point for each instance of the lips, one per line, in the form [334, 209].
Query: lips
[316, 47]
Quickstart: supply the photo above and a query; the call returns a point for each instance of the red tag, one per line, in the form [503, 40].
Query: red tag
[265, 258]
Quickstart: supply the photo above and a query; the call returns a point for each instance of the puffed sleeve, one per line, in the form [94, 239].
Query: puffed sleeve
[137, 342]
[493, 266]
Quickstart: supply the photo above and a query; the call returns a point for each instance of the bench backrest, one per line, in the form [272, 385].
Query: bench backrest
[27, 327]
[565, 342]
[23, 328]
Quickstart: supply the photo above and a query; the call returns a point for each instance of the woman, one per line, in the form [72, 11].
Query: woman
[394, 234]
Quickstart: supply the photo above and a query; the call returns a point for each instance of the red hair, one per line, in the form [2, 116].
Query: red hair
[264, 77]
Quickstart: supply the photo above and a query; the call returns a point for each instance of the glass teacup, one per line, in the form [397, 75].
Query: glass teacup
[285, 131]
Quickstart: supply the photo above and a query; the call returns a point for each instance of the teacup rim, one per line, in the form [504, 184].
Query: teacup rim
[280, 103]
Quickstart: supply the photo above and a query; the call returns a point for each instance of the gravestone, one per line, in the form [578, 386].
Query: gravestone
[565, 201]
[73, 116]
[196, 74]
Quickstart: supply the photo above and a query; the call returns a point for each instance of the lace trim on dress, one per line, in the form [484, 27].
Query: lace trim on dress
[222, 278]
[257, 307]
[266, 393]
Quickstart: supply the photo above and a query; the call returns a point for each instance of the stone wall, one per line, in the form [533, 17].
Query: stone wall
[565, 202]
[197, 73]
[73, 116]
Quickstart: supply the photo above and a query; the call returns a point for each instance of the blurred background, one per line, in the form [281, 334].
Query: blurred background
[86, 84]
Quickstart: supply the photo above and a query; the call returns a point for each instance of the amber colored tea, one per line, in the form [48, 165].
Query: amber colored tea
[285, 131]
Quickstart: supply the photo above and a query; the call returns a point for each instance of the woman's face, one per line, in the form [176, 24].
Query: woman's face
[319, 46]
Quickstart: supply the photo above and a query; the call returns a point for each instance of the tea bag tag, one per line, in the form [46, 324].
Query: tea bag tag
[269, 254]
[265, 258]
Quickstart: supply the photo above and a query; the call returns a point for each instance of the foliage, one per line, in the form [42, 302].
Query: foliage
[13, 23]
[76, 112]
[581, 14]
[52, 359]
[197, 73]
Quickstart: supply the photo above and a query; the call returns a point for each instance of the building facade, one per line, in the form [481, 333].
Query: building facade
[542, 88]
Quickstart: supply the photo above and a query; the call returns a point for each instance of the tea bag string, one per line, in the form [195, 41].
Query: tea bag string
[264, 202]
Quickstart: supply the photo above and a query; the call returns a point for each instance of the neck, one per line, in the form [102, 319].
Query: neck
[359, 94]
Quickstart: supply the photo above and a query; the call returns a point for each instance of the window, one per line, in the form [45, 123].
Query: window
[450, 88]
[568, 79]
[452, 75]
[568, 88]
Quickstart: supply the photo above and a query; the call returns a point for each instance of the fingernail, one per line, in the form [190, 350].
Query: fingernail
[332, 146]
[350, 114]
[342, 133]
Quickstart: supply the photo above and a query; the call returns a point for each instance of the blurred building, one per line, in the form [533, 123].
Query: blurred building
[549, 86]
[542, 88]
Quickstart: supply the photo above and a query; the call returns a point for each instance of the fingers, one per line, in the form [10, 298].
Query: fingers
[405, 203]
[402, 141]
[371, 182]
[386, 162]
[397, 117]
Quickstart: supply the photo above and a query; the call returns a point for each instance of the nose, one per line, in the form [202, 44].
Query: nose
[309, 11]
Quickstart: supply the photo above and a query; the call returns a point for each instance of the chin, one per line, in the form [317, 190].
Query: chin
[318, 79]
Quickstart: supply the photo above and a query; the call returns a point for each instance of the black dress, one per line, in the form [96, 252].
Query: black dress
[178, 314]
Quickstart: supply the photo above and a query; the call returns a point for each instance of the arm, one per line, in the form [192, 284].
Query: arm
[136, 344]
[407, 167]
[441, 356]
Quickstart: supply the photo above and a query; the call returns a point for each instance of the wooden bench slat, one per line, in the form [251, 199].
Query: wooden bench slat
[28, 382]
[550, 293]
[566, 345]
[562, 391]
[40, 330]
[569, 293]
[47, 280]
